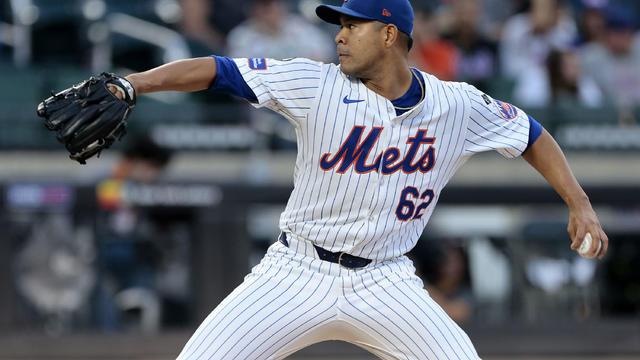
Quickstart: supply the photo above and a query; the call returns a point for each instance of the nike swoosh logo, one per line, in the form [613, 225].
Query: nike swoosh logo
[350, 101]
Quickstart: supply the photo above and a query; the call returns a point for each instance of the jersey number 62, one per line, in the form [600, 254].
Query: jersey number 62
[407, 209]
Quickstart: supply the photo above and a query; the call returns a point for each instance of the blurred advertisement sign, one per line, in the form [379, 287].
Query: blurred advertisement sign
[36, 196]
[204, 136]
[112, 194]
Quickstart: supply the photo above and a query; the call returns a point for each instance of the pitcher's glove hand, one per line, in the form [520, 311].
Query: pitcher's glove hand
[89, 117]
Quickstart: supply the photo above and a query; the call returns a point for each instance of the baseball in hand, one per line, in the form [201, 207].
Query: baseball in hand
[584, 248]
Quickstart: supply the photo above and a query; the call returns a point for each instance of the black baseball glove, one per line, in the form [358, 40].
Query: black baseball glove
[88, 117]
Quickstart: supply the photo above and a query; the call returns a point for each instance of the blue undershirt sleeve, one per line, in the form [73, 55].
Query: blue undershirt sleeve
[535, 129]
[229, 80]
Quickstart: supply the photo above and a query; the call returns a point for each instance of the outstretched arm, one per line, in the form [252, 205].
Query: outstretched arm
[547, 158]
[183, 75]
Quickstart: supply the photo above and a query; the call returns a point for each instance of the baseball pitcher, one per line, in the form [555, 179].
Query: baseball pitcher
[377, 142]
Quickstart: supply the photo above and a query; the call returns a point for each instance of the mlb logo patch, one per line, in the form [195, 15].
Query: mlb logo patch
[507, 110]
[258, 64]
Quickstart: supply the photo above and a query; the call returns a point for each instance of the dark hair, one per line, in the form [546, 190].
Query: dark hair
[527, 4]
[144, 148]
[406, 39]
[402, 36]
[430, 255]
[557, 79]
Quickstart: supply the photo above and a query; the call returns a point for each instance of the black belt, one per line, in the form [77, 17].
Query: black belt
[340, 258]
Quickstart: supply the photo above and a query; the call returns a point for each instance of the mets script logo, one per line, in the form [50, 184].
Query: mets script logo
[258, 64]
[507, 110]
[354, 152]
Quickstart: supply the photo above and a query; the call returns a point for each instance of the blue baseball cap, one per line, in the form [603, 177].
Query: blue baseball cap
[396, 12]
[620, 18]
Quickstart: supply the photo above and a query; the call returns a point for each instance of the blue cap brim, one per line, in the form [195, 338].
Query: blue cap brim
[331, 14]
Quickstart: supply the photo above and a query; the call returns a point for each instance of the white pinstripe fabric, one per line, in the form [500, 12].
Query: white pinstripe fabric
[292, 299]
[356, 212]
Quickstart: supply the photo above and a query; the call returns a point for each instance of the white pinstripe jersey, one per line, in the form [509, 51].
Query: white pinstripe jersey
[366, 181]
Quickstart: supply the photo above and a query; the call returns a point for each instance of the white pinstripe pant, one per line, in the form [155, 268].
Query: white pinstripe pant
[292, 299]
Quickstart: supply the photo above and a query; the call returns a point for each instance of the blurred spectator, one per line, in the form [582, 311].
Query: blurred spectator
[477, 62]
[615, 64]
[197, 26]
[561, 83]
[443, 265]
[592, 21]
[142, 161]
[272, 31]
[529, 37]
[207, 22]
[568, 84]
[430, 52]
[127, 237]
[496, 13]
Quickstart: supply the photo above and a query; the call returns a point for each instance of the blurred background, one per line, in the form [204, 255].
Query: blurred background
[123, 258]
